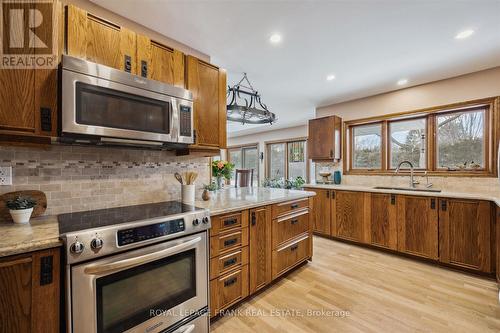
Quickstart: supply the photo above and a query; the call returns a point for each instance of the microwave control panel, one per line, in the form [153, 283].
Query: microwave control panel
[185, 120]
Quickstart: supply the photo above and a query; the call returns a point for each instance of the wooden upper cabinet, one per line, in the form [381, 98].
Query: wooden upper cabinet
[383, 220]
[418, 225]
[260, 247]
[208, 85]
[159, 62]
[321, 212]
[324, 140]
[350, 215]
[465, 233]
[28, 97]
[29, 301]
[98, 40]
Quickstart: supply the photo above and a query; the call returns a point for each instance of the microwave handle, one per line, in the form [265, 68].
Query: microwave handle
[174, 120]
[135, 261]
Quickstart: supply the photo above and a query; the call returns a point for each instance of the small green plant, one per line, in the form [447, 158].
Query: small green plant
[288, 184]
[21, 203]
[210, 187]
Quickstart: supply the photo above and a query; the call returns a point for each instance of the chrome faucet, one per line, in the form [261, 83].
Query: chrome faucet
[412, 182]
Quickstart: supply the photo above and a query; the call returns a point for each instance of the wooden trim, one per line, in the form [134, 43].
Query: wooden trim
[246, 145]
[491, 130]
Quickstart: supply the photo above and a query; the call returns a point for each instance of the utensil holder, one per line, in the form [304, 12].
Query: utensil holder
[187, 193]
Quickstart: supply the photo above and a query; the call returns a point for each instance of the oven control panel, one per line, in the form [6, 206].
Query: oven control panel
[147, 232]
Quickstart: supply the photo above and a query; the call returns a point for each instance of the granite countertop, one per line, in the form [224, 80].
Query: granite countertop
[493, 196]
[43, 232]
[234, 199]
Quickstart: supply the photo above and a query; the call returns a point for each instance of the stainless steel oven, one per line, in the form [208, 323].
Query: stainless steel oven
[128, 275]
[114, 106]
[145, 290]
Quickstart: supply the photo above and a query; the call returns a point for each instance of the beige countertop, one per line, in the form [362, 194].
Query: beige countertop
[43, 232]
[493, 196]
[233, 199]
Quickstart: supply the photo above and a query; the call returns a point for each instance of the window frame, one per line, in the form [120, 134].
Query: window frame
[382, 145]
[285, 142]
[491, 132]
[389, 122]
[241, 148]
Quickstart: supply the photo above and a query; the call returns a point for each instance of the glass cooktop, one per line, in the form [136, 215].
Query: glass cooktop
[103, 217]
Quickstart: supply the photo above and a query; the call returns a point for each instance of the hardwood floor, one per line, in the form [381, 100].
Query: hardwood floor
[376, 292]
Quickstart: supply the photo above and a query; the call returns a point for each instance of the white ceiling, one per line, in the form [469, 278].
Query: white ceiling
[368, 45]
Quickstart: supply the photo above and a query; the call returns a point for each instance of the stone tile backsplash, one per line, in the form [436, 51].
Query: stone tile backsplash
[78, 178]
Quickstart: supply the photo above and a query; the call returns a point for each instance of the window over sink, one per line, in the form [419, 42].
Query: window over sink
[456, 139]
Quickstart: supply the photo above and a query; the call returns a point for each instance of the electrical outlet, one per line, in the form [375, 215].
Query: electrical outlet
[6, 175]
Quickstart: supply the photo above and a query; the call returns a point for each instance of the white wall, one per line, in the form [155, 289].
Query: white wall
[458, 89]
[261, 138]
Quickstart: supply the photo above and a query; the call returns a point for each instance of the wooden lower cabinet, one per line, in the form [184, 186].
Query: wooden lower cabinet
[321, 214]
[465, 233]
[350, 215]
[29, 297]
[418, 226]
[269, 247]
[290, 255]
[260, 247]
[228, 289]
[383, 220]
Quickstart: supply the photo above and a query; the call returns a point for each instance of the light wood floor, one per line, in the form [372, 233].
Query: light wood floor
[381, 292]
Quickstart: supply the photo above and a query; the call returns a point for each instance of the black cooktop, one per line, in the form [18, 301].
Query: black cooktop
[103, 217]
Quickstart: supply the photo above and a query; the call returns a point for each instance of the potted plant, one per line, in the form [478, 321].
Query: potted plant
[221, 170]
[207, 189]
[21, 209]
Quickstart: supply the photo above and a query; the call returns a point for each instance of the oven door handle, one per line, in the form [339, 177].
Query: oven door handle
[186, 329]
[135, 261]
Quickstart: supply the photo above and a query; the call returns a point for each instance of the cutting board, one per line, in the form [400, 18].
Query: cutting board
[39, 209]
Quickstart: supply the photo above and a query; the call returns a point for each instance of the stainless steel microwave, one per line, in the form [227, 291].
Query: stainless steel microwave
[112, 106]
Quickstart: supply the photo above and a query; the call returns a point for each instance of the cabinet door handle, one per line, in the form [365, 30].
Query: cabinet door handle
[229, 262]
[433, 203]
[328, 194]
[229, 282]
[230, 222]
[333, 194]
[331, 152]
[254, 219]
[393, 199]
[443, 205]
[128, 64]
[230, 242]
[144, 68]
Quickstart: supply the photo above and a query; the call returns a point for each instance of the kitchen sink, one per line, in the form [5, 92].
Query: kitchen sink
[407, 189]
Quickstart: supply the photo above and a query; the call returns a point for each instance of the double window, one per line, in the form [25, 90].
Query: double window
[286, 160]
[444, 140]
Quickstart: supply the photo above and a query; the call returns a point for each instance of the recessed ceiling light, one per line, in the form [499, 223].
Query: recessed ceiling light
[275, 38]
[402, 82]
[464, 34]
[330, 77]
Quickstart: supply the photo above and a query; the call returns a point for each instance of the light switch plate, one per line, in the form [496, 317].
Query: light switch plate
[6, 175]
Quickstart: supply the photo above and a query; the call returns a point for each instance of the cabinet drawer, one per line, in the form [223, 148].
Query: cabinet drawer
[232, 240]
[289, 206]
[224, 263]
[228, 289]
[290, 255]
[287, 227]
[223, 223]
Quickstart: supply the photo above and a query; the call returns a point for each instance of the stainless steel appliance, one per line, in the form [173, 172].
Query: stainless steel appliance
[110, 106]
[137, 269]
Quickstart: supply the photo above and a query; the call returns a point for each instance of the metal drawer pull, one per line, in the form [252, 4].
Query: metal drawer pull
[293, 221]
[231, 281]
[230, 242]
[230, 222]
[230, 262]
[126, 263]
[294, 206]
[294, 247]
